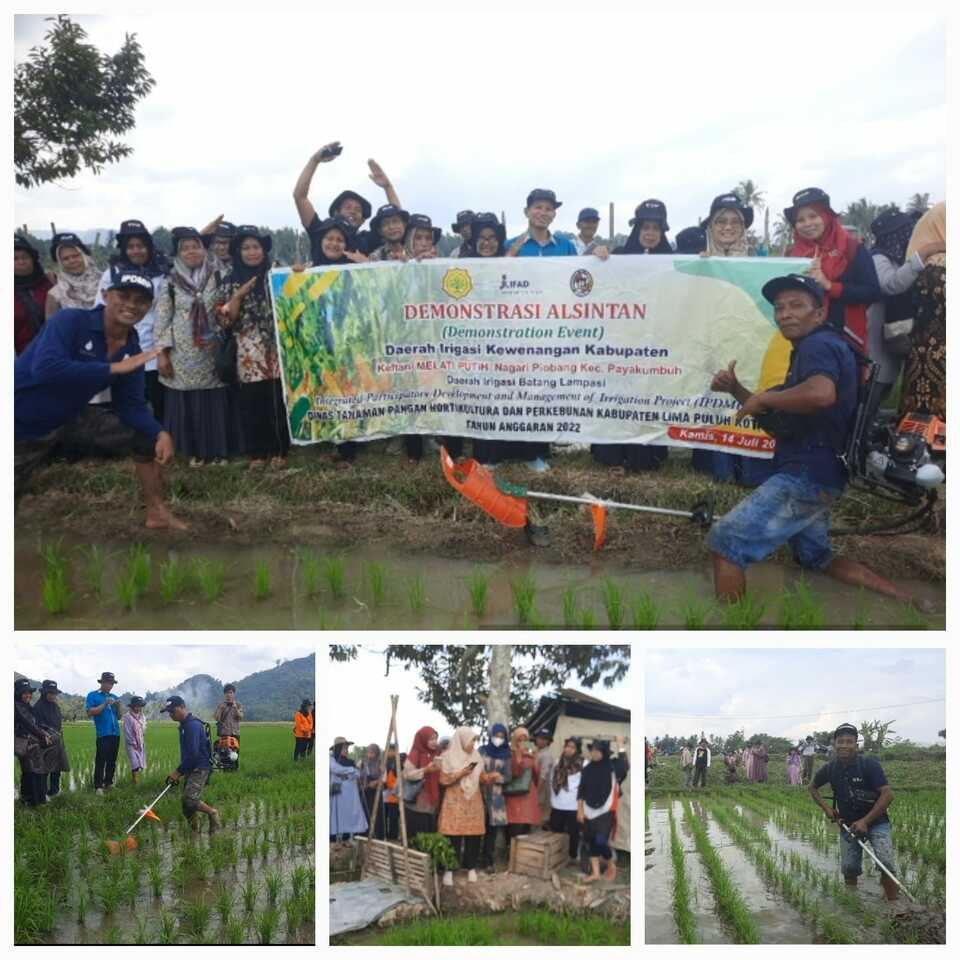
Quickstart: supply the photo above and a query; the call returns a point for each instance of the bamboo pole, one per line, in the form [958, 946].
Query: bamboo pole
[403, 814]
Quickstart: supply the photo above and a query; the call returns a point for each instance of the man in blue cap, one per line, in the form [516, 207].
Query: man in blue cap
[77, 354]
[195, 764]
[588, 222]
[811, 416]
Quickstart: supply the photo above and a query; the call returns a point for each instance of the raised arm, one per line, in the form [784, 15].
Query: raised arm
[302, 186]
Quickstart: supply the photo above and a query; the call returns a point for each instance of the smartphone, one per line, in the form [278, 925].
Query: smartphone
[472, 765]
[333, 150]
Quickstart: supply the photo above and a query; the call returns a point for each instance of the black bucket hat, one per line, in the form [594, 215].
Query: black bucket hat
[730, 201]
[540, 194]
[185, 233]
[49, 686]
[463, 218]
[655, 210]
[106, 675]
[793, 281]
[692, 240]
[132, 228]
[66, 240]
[348, 230]
[22, 686]
[805, 198]
[137, 702]
[387, 210]
[250, 230]
[20, 242]
[365, 206]
[890, 221]
[422, 221]
[226, 229]
[227, 687]
[488, 219]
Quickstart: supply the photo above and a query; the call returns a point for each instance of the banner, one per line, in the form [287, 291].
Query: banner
[551, 349]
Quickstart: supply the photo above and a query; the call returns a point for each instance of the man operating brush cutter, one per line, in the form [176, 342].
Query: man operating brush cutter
[195, 764]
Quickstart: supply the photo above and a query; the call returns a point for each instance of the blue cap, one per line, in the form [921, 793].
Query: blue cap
[130, 279]
[793, 281]
[587, 213]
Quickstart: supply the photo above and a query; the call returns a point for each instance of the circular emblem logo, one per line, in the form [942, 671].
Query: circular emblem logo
[457, 283]
[581, 283]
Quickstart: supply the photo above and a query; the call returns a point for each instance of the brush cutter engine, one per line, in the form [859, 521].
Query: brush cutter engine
[226, 753]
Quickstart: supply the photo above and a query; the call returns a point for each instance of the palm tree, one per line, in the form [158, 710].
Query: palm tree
[918, 203]
[860, 214]
[782, 234]
[750, 194]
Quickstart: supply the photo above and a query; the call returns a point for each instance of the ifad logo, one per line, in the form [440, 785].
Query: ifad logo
[457, 283]
[581, 283]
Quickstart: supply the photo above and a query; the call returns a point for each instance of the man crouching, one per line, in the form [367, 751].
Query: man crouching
[195, 764]
[811, 415]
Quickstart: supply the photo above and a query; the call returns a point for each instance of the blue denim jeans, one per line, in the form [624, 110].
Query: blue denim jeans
[881, 840]
[787, 508]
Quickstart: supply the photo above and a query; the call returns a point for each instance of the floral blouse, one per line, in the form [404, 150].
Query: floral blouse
[257, 355]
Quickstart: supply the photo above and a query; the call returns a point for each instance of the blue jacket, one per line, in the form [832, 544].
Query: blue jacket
[65, 366]
[194, 745]
[858, 284]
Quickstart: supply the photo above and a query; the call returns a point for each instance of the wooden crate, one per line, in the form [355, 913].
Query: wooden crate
[538, 854]
[386, 860]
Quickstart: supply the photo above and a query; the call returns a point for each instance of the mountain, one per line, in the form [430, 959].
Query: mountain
[268, 695]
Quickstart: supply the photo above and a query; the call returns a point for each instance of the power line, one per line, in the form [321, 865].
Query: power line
[786, 716]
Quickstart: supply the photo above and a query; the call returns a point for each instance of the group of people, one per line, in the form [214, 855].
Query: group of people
[196, 339]
[510, 785]
[40, 747]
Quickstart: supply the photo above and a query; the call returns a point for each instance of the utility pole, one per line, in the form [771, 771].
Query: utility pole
[612, 234]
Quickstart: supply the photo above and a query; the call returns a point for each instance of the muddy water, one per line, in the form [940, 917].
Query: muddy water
[447, 605]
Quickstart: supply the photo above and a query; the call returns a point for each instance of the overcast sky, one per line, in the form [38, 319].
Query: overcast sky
[474, 110]
[764, 691]
[143, 667]
[358, 699]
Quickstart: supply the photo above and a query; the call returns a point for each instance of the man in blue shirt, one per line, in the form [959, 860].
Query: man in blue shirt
[77, 354]
[811, 415]
[195, 764]
[861, 796]
[104, 709]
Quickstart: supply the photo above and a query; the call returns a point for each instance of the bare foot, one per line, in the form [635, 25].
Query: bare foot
[611, 873]
[591, 878]
[160, 518]
[256, 464]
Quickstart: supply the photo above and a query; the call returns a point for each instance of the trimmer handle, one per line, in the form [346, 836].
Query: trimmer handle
[702, 511]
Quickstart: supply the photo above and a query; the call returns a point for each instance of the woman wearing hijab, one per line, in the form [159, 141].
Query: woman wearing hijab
[498, 768]
[302, 730]
[925, 372]
[245, 308]
[760, 758]
[461, 815]
[600, 782]
[30, 288]
[220, 249]
[135, 737]
[197, 410]
[371, 773]
[78, 279]
[422, 766]
[794, 765]
[346, 810]
[29, 741]
[523, 809]
[564, 786]
[648, 236]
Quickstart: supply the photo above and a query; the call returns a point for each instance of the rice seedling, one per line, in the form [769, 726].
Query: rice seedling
[234, 932]
[264, 847]
[249, 849]
[197, 915]
[111, 936]
[312, 570]
[800, 609]
[299, 880]
[682, 914]
[478, 584]
[293, 913]
[613, 603]
[210, 574]
[82, 904]
[139, 568]
[694, 613]
[588, 619]
[745, 613]
[730, 903]
[417, 594]
[141, 937]
[93, 569]
[167, 932]
[274, 882]
[249, 893]
[223, 904]
[261, 580]
[860, 616]
[174, 578]
[645, 614]
[570, 610]
[127, 591]
[156, 879]
[377, 575]
[524, 597]
[267, 924]
[334, 572]
[56, 578]
[913, 619]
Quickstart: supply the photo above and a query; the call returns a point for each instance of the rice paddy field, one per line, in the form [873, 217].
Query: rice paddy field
[759, 863]
[253, 882]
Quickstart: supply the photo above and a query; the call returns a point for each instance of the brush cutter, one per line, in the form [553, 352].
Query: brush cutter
[130, 842]
[507, 502]
[876, 860]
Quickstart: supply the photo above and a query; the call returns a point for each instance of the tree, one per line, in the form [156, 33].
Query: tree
[861, 213]
[750, 194]
[456, 678]
[782, 234]
[69, 98]
[876, 734]
[918, 203]
[342, 652]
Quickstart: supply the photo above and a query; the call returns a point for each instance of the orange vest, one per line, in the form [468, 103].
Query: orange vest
[302, 725]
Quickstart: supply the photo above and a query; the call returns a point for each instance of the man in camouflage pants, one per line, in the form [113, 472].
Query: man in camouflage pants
[195, 763]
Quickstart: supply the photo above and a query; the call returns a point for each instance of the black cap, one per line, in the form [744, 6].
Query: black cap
[730, 201]
[805, 198]
[22, 686]
[365, 206]
[49, 686]
[129, 279]
[538, 194]
[20, 242]
[172, 703]
[387, 210]
[132, 228]
[250, 230]
[137, 702]
[183, 233]
[226, 229]
[229, 686]
[692, 240]
[655, 210]
[587, 213]
[424, 222]
[107, 675]
[66, 240]
[463, 218]
[545, 733]
[793, 281]
[846, 729]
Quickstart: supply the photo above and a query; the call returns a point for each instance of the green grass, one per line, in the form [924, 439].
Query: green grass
[262, 577]
[524, 598]
[613, 603]
[478, 585]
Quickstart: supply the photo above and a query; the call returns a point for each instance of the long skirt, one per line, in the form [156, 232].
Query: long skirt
[201, 422]
[264, 419]
[925, 372]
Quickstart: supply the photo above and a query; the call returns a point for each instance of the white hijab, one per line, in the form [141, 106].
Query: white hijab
[456, 757]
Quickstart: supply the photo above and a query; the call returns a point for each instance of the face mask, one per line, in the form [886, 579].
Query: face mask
[498, 741]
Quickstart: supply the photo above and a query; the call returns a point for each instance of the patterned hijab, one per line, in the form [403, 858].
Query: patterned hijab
[566, 766]
[738, 249]
[191, 282]
[459, 754]
[78, 290]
